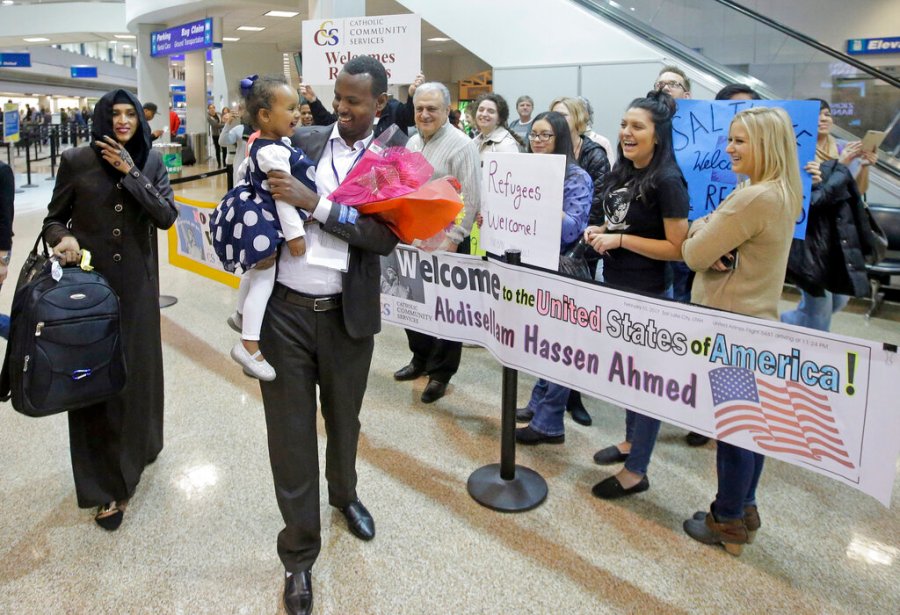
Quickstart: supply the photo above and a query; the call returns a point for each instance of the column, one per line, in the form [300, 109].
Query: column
[153, 77]
[195, 96]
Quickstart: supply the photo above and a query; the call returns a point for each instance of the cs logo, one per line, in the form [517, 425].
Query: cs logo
[326, 36]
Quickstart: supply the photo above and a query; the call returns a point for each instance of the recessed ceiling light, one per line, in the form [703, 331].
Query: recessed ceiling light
[251, 28]
[282, 14]
[36, 39]
[125, 36]
[439, 39]
[7, 2]
[230, 39]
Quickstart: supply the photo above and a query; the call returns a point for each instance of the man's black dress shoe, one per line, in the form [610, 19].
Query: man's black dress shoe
[408, 372]
[359, 520]
[434, 390]
[298, 595]
[526, 435]
[696, 439]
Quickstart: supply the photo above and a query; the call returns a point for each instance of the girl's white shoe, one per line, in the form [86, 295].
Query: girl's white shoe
[252, 366]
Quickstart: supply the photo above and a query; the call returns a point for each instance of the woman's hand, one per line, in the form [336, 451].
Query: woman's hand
[601, 241]
[115, 154]
[68, 250]
[851, 152]
[869, 158]
[814, 169]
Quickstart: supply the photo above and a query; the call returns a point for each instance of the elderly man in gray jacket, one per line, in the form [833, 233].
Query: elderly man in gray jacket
[450, 152]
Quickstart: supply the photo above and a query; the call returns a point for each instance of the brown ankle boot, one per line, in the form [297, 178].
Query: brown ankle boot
[752, 522]
[730, 534]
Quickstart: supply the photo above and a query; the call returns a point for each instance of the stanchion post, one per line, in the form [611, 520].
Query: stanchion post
[54, 150]
[229, 168]
[507, 487]
[28, 167]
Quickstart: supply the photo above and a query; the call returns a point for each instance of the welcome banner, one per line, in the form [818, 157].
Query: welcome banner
[818, 400]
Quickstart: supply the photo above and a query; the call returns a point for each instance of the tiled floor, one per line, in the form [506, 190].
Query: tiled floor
[199, 536]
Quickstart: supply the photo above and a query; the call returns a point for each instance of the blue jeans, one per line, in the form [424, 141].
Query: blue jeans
[548, 402]
[738, 471]
[815, 312]
[4, 326]
[682, 279]
[641, 431]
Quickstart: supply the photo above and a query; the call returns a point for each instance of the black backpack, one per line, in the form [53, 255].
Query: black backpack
[65, 347]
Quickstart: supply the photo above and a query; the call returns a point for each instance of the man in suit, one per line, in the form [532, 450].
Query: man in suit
[319, 328]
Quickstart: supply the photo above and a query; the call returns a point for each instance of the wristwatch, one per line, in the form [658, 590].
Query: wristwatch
[5, 258]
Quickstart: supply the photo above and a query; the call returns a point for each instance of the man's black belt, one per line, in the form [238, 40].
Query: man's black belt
[316, 304]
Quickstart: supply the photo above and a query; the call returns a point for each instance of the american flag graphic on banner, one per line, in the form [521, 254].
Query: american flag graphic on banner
[785, 418]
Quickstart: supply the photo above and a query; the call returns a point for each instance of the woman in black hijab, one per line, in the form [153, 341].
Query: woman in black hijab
[109, 198]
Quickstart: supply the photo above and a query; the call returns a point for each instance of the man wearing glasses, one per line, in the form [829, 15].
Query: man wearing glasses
[673, 82]
[450, 152]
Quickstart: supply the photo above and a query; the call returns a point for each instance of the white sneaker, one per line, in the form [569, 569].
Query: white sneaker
[252, 367]
[236, 321]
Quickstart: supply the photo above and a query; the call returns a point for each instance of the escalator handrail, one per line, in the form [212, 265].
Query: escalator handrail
[843, 57]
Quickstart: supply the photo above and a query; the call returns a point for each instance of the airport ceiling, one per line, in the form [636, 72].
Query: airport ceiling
[285, 32]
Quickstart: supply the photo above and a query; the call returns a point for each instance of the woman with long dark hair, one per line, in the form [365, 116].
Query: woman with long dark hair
[110, 198]
[646, 203]
[550, 135]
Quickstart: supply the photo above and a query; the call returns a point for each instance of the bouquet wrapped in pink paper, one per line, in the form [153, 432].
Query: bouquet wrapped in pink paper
[392, 183]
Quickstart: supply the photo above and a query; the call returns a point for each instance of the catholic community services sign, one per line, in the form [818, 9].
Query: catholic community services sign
[394, 40]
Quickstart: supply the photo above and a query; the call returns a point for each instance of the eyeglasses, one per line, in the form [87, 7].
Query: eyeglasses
[542, 137]
[671, 84]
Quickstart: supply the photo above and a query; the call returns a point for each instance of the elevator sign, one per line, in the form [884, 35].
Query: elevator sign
[866, 46]
[180, 39]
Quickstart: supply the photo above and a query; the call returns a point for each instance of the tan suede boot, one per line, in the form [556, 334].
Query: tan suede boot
[730, 534]
[752, 522]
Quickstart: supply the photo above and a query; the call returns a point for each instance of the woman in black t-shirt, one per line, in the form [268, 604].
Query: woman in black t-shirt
[645, 202]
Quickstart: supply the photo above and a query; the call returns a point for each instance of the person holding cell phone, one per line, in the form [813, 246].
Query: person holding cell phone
[828, 265]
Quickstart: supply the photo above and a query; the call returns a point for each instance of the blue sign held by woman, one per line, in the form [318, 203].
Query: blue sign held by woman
[700, 135]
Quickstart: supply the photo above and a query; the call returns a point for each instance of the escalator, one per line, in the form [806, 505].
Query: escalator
[735, 44]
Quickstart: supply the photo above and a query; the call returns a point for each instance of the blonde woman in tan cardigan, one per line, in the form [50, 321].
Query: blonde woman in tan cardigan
[740, 252]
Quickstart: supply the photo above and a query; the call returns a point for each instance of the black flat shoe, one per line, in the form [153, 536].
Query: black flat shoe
[434, 390]
[695, 439]
[581, 416]
[298, 594]
[359, 520]
[612, 489]
[524, 415]
[575, 407]
[408, 372]
[526, 435]
[608, 455]
[109, 516]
